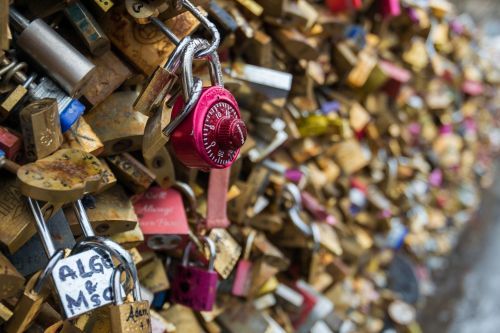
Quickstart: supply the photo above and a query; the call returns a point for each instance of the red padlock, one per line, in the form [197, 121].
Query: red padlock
[343, 5]
[10, 143]
[209, 132]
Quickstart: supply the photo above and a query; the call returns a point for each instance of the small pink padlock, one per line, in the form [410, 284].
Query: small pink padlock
[193, 286]
[242, 279]
[206, 131]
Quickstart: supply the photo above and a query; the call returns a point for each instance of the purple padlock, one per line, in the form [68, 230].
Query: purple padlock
[193, 286]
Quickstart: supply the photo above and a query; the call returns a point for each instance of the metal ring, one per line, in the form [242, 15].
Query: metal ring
[47, 271]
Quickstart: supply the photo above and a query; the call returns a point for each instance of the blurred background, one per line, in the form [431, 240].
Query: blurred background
[467, 295]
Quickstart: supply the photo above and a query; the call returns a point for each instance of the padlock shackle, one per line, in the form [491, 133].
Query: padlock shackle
[194, 46]
[188, 107]
[37, 288]
[212, 29]
[175, 58]
[211, 248]
[187, 192]
[294, 213]
[116, 281]
[83, 219]
[316, 237]
[249, 244]
[42, 228]
[115, 249]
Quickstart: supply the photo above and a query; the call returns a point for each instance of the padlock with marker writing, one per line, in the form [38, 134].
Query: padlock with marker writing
[196, 287]
[128, 316]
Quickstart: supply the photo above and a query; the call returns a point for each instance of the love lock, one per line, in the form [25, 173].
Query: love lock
[211, 134]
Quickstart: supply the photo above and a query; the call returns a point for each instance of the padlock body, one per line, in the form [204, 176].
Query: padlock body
[195, 287]
[242, 279]
[130, 317]
[197, 141]
[83, 282]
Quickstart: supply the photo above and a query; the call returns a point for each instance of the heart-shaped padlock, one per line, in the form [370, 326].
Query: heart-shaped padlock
[208, 134]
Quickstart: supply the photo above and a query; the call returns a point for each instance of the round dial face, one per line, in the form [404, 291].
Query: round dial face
[215, 114]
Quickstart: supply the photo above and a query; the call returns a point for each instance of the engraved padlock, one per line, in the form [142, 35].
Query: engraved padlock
[162, 215]
[196, 287]
[128, 316]
[211, 133]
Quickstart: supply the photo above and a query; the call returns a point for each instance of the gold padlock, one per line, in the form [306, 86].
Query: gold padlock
[131, 172]
[119, 127]
[128, 316]
[31, 301]
[110, 213]
[11, 281]
[41, 128]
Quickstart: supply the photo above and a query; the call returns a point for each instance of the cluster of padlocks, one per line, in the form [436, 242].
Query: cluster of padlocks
[235, 165]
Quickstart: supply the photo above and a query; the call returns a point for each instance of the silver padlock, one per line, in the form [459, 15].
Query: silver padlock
[83, 280]
[102, 244]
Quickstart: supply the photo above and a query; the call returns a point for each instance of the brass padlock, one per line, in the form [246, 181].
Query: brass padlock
[41, 128]
[31, 301]
[131, 172]
[64, 176]
[128, 316]
[119, 127]
[109, 212]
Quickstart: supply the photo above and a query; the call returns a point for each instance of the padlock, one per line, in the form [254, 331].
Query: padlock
[62, 177]
[162, 215]
[115, 122]
[89, 30]
[109, 212]
[70, 109]
[41, 128]
[32, 299]
[110, 74]
[193, 286]
[31, 257]
[10, 143]
[227, 251]
[16, 95]
[131, 172]
[11, 281]
[160, 83]
[81, 136]
[145, 39]
[242, 278]
[343, 5]
[209, 135]
[82, 280]
[41, 42]
[128, 316]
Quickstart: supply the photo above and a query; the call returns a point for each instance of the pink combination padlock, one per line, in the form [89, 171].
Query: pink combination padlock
[193, 286]
[242, 279]
[206, 131]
